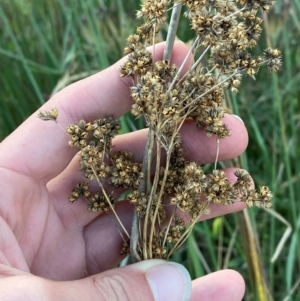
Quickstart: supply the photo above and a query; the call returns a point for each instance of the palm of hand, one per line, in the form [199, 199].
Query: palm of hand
[40, 241]
[48, 237]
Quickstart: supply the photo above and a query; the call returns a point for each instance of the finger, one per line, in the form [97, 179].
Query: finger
[197, 146]
[40, 149]
[152, 280]
[224, 285]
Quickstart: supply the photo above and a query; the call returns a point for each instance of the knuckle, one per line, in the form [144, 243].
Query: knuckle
[116, 288]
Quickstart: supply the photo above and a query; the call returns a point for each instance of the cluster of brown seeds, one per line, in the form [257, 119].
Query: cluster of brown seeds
[167, 186]
[98, 162]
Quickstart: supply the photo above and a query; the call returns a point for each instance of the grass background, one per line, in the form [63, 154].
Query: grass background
[46, 45]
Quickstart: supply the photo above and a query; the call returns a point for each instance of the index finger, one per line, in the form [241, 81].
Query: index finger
[40, 149]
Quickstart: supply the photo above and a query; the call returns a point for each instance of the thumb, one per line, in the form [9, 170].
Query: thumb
[150, 280]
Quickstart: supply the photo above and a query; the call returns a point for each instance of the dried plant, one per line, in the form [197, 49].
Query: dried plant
[175, 189]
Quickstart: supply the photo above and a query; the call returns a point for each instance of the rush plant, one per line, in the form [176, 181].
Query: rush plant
[168, 192]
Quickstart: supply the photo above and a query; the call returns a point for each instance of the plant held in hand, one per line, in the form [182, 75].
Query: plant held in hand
[168, 191]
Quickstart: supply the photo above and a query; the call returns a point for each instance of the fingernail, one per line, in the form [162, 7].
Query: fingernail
[169, 281]
[238, 117]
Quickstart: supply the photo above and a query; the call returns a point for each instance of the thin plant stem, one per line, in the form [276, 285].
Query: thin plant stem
[235, 13]
[109, 202]
[145, 226]
[168, 227]
[217, 85]
[158, 201]
[183, 64]
[218, 151]
[134, 238]
[61, 127]
[142, 189]
[187, 232]
[172, 29]
[153, 45]
[200, 58]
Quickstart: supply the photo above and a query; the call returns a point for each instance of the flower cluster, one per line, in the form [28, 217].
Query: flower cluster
[166, 186]
[98, 162]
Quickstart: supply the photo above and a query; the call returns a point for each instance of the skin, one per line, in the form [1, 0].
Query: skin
[59, 251]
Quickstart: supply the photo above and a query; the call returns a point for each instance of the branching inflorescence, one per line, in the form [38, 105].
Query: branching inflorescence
[166, 190]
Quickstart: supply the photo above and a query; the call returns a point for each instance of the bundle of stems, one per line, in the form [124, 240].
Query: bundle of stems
[170, 193]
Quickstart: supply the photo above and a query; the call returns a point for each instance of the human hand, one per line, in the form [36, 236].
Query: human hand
[58, 251]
